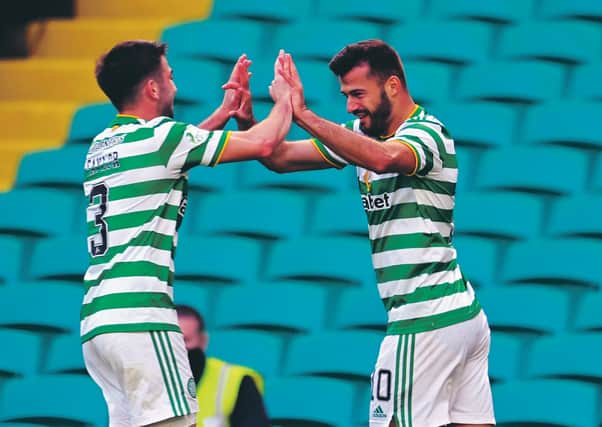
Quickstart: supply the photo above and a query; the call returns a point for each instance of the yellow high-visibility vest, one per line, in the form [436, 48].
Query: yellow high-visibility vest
[218, 390]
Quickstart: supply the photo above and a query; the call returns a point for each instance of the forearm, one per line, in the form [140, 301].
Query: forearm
[216, 120]
[276, 125]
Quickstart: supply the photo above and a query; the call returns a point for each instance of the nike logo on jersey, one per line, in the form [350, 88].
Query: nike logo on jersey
[376, 202]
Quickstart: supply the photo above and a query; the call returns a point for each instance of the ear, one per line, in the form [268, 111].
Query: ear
[393, 86]
[151, 89]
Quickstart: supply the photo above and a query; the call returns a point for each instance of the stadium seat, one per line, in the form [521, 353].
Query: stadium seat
[564, 132]
[270, 10]
[478, 258]
[439, 41]
[217, 259]
[194, 89]
[527, 169]
[43, 308]
[585, 84]
[12, 250]
[554, 261]
[88, 121]
[587, 317]
[481, 124]
[193, 39]
[512, 82]
[467, 160]
[499, 11]
[339, 354]
[197, 296]
[428, 82]
[269, 214]
[52, 398]
[326, 38]
[37, 212]
[571, 356]
[360, 309]
[21, 353]
[342, 260]
[65, 356]
[221, 178]
[310, 401]
[571, 216]
[526, 308]
[339, 214]
[259, 350]
[546, 403]
[60, 258]
[386, 11]
[287, 307]
[194, 113]
[502, 215]
[590, 10]
[505, 356]
[580, 41]
[597, 179]
[58, 168]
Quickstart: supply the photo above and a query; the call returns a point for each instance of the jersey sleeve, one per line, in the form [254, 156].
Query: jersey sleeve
[329, 155]
[422, 140]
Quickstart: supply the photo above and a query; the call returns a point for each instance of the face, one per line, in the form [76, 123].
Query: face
[367, 100]
[168, 89]
[193, 338]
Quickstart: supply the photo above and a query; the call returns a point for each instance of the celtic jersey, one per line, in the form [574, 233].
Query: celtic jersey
[135, 180]
[410, 225]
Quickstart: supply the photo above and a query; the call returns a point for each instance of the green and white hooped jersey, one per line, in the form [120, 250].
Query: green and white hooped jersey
[410, 224]
[135, 180]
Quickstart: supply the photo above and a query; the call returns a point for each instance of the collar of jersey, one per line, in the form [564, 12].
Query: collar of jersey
[417, 109]
[125, 119]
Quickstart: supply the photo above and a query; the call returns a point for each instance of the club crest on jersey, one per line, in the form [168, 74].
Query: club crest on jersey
[376, 202]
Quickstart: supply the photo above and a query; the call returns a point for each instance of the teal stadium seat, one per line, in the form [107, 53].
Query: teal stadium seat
[12, 250]
[505, 356]
[597, 179]
[498, 11]
[221, 178]
[571, 356]
[267, 10]
[527, 169]
[197, 296]
[566, 130]
[310, 401]
[428, 82]
[336, 260]
[60, 258]
[259, 350]
[21, 353]
[349, 355]
[478, 258]
[221, 259]
[385, 11]
[360, 309]
[588, 316]
[65, 356]
[325, 39]
[194, 40]
[199, 81]
[580, 41]
[526, 308]
[545, 403]
[439, 41]
[267, 214]
[57, 168]
[590, 10]
[37, 212]
[195, 113]
[52, 399]
[512, 82]
[572, 262]
[479, 124]
[88, 121]
[585, 84]
[500, 215]
[339, 214]
[574, 216]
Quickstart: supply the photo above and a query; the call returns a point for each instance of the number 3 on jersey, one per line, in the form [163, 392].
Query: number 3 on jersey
[99, 196]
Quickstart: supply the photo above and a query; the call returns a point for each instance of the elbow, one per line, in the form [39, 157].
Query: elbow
[266, 147]
[383, 164]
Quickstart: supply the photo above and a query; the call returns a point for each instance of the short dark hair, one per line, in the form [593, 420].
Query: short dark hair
[188, 311]
[383, 60]
[125, 66]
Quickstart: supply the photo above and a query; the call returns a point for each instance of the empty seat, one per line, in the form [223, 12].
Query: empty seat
[273, 307]
[588, 316]
[223, 177]
[526, 308]
[62, 167]
[360, 309]
[597, 179]
[439, 41]
[385, 11]
[478, 257]
[339, 354]
[60, 258]
[502, 11]
[585, 84]
[505, 357]
[194, 89]
[572, 216]
[89, 120]
[573, 356]
[503, 215]
[51, 398]
[339, 214]
[428, 82]
[12, 250]
[550, 403]
[590, 10]
[343, 260]
[267, 214]
[530, 171]
[270, 10]
[518, 81]
[258, 350]
[21, 352]
[580, 41]
[65, 356]
[566, 119]
[554, 261]
[236, 36]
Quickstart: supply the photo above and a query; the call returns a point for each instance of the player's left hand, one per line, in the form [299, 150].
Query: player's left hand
[237, 97]
[288, 70]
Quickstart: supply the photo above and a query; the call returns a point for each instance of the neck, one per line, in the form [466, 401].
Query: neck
[400, 114]
[140, 111]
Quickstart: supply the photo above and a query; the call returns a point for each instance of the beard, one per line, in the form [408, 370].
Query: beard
[167, 110]
[379, 118]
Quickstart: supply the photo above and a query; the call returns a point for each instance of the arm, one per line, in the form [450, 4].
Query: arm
[291, 156]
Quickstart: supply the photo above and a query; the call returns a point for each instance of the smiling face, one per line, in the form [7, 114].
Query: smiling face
[367, 100]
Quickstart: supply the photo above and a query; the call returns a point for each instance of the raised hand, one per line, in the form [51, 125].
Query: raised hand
[280, 89]
[289, 72]
[237, 97]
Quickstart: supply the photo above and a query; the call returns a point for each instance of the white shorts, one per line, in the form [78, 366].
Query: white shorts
[145, 377]
[434, 378]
